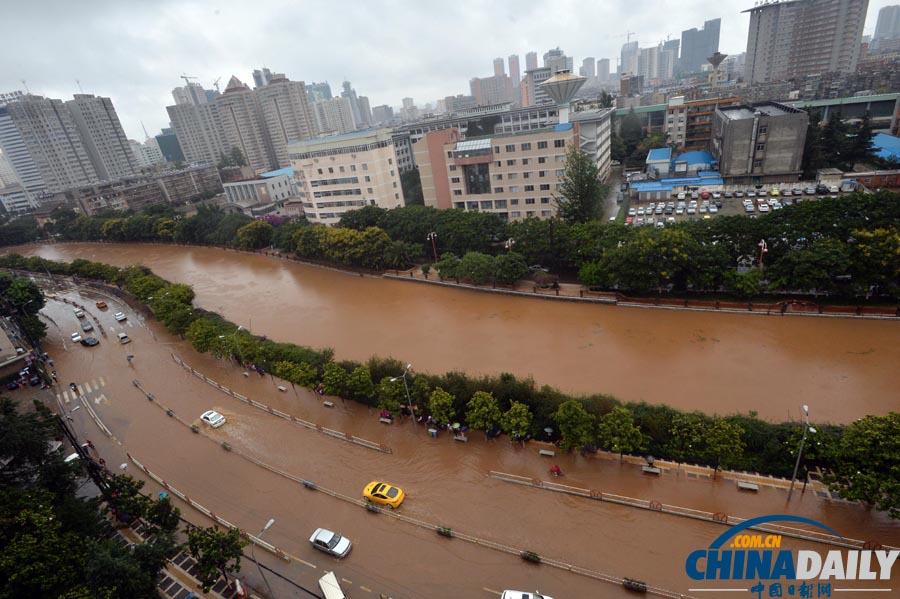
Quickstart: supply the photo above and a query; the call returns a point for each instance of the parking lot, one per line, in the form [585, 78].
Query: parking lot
[732, 201]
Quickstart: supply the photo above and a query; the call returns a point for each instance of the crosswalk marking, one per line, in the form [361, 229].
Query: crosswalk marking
[94, 383]
[80, 390]
[102, 382]
[87, 387]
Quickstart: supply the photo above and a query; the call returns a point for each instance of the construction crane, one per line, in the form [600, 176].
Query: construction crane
[216, 84]
[186, 77]
[627, 35]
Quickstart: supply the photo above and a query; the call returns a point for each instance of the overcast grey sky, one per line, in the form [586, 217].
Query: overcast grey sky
[135, 50]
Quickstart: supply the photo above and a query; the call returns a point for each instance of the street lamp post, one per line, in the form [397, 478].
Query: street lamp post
[405, 386]
[253, 554]
[806, 429]
[509, 244]
[231, 337]
[431, 237]
[763, 250]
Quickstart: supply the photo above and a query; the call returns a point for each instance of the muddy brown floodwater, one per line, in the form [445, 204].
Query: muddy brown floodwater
[717, 363]
[447, 483]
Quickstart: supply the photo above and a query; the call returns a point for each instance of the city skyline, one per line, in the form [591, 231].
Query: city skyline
[154, 46]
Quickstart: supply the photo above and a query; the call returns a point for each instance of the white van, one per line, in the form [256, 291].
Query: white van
[123, 338]
[79, 313]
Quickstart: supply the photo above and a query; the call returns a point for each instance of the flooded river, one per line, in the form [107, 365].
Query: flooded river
[717, 363]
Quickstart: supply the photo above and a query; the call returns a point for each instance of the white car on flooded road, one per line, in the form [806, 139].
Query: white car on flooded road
[330, 542]
[120, 316]
[523, 595]
[213, 418]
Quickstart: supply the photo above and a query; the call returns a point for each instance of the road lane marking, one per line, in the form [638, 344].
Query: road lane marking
[491, 591]
[80, 390]
[366, 589]
[346, 581]
[102, 382]
[100, 398]
[96, 386]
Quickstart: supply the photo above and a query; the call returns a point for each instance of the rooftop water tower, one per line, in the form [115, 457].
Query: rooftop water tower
[562, 87]
[715, 60]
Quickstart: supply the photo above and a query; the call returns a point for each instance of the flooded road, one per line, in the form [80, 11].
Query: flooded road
[447, 482]
[717, 363]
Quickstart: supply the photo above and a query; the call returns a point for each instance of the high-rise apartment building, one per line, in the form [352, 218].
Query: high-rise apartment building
[243, 126]
[588, 69]
[803, 37]
[629, 58]
[6, 97]
[8, 175]
[192, 93]
[350, 93]
[698, 45]
[499, 68]
[532, 92]
[556, 60]
[603, 70]
[146, 154]
[198, 132]
[887, 27]
[318, 91]
[382, 115]
[169, 146]
[16, 152]
[287, 114]
[103, 136]
[531, 62]
[515, 74]
[334, 116]
[53, 141]
[489, 91]
[262, 78]
[365, 111]
[334, 175]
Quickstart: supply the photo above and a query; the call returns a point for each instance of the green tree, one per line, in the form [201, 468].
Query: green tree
[335, 379]
[217, 552]
[390, 393]
[723, 444]
[255, 235]
[204, 335]
[399, 255]
[813, 158]
[440, 404]
[482, 411]
[606, 99]
[617, 432]
[576, 426]
[448, 267]
[581, 191]
[516, 421]
[509, 268]
[477, 267]
[868, 464]
[360, 385]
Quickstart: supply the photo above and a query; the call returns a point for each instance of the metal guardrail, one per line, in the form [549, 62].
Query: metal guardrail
[305, 423]
[675, 510]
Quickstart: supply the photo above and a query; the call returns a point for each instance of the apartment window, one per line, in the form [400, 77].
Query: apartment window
[454, 179]
[452, 167]
[365, 166]
[499, 203]
[529, 200]
[498, 177]
[498, 164]
[390, 161]
[545, 200]
[529, 188]
[529, 213]
[472, 206]
[757, 163]
[559, 172]
[460, 205]
[763, 129]
[545, 213]
[542, 173]
[559, 143]
[496, 149]
[512, 176]
[542, 145]
[487, 205]
[760, 147]
[526, 175]
[368, 179]
[545, 187]
[341, 169]
[514, 202]
[560, 158]
[396, 197]
[330, 169]
[369, 190]
[513, 189]
[320, 172]
[395, 185]
[352, 168]
[498, 190]
[515, 214]
[542, 160]
[526, 147]
[457, 192]
[526, 161]
[392, 172]
[510, 147]
[510, 163]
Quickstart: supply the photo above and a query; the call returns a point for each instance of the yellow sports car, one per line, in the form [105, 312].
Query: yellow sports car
[384, 494]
